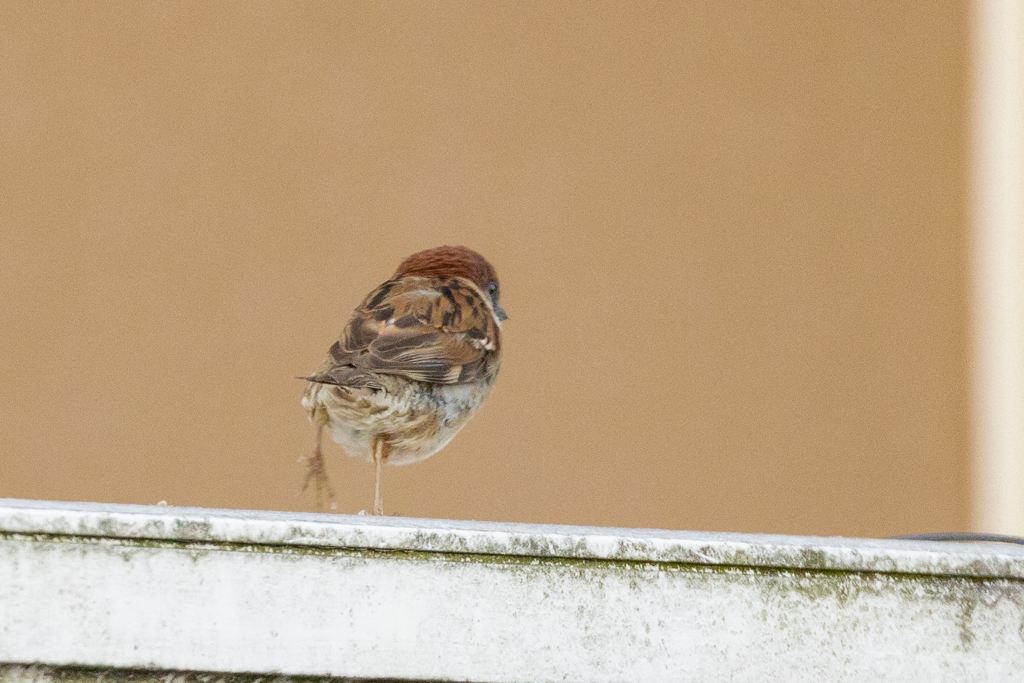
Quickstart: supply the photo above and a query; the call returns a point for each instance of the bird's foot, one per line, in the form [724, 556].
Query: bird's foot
[316, 473]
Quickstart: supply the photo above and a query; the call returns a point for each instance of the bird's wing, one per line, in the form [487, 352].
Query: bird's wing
[437, 330]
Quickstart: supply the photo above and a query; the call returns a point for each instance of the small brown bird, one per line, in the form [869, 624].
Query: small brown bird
[416, 360]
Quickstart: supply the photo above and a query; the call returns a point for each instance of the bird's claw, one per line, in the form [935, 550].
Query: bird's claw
[316, 473]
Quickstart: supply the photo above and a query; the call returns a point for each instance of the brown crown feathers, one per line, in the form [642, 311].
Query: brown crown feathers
[452, 262]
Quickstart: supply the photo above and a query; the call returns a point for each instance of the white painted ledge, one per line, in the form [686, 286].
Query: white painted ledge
[117, 591]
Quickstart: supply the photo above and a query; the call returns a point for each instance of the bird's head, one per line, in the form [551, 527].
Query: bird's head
[456, 262]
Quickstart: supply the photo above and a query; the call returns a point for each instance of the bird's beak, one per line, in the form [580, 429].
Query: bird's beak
[500, 312]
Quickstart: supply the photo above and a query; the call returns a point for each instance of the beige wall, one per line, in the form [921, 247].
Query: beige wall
[731, 238]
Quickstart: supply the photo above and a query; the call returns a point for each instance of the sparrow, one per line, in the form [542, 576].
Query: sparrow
[414, 363]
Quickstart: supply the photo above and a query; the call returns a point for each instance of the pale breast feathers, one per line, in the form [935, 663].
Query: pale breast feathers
[438, 330]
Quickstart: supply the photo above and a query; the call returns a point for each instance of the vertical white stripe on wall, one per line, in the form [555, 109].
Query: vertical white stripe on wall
[998, 264]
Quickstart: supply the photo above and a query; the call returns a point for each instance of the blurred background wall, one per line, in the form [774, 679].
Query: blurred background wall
[732, 238]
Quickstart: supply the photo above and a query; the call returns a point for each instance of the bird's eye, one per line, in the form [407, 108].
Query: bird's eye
[492, 288]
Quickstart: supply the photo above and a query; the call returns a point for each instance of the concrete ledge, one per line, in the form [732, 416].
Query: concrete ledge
[35, 673]
[119, 591]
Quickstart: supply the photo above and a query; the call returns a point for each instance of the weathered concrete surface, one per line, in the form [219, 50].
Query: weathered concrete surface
[130, 587]
[36, 673]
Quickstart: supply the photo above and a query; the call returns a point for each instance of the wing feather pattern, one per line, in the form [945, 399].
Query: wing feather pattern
[438, 330]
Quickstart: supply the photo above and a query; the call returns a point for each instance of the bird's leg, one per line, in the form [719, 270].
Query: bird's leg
[378, 461]
[317, 472]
